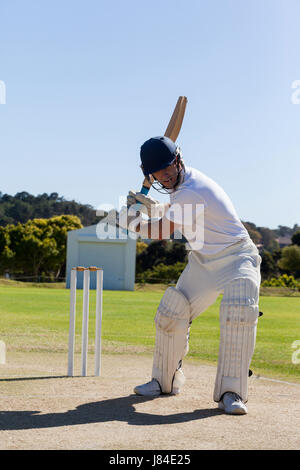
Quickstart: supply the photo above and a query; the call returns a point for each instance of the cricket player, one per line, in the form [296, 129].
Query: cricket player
[221, 259]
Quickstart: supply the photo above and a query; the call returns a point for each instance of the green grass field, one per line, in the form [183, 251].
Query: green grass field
[37, 319]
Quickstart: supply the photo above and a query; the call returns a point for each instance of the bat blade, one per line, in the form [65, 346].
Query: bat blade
[172, 131]
[176, 120]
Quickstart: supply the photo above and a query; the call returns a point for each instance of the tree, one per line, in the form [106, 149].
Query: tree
[283, 231]
[282, 281]
[152, 255]
[269, 266]
[24, 196]
[20, 211]
[38, 246]
[296, 238]
[268, 238]
[253, 232]
[160, 252]
[24, 206]
[31, 244]
[176, 253]
[140, 247]
[60, 226]
[162, 273]
[5, 252]
[290, 260]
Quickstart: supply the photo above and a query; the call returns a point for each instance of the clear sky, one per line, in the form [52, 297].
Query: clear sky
[88, 82]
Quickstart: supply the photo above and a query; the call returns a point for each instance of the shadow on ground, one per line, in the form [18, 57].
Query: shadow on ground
[117, 409]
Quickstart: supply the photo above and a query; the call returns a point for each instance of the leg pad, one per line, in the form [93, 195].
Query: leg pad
[172, 323]
[238, 320]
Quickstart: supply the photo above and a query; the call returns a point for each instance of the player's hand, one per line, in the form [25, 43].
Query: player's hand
[147, 204]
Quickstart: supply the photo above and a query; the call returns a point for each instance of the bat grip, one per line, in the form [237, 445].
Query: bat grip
[145, 190]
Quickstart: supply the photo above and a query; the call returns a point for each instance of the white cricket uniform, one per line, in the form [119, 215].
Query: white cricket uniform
[221, 259]
[222, 226]
[224, 246]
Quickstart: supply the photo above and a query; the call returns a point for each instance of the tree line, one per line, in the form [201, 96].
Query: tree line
[33, 235]
[36, 248]
[23, 206]
[164, 260]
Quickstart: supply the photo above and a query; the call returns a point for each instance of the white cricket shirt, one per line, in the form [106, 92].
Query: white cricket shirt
[206, 214]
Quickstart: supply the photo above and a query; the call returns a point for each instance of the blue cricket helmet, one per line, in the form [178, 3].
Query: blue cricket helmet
[157, 153]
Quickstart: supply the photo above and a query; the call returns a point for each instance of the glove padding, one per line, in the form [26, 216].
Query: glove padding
[146, 204]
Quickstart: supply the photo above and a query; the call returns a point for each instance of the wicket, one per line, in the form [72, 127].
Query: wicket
[85, 319]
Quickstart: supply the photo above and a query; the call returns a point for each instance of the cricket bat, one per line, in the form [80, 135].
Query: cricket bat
[172, 131]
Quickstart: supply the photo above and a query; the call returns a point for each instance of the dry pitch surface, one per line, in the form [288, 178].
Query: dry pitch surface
[41, 409]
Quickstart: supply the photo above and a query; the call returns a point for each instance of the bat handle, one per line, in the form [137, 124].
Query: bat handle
[145, 190]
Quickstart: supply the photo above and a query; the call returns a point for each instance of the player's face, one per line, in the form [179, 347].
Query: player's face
[167, 176]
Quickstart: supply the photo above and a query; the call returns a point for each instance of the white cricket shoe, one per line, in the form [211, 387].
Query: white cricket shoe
[232, 404]
[149, 389]
[152, 388]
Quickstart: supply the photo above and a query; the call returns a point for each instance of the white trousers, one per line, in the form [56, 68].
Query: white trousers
[235, 271]
[205, 276]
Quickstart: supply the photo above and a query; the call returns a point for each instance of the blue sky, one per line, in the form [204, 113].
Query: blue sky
[88, 82]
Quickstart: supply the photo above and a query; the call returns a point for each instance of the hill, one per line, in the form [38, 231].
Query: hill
[24, 206]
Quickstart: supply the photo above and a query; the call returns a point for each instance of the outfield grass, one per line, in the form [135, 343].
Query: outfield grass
[37, 319]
